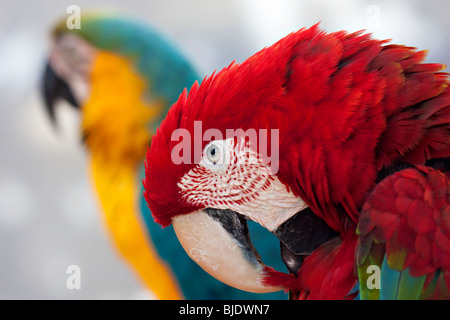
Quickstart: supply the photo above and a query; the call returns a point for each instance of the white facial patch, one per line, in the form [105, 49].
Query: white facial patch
[72, 58]
[232, 176]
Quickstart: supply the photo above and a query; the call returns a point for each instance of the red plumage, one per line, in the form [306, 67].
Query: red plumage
[418, 235]
[346, 106]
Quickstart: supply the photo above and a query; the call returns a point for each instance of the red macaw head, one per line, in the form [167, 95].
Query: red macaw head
[263, 140]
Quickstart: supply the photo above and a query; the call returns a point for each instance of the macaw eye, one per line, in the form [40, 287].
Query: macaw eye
[214, 153]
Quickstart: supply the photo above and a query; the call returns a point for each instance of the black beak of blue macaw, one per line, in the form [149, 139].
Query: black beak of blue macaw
[53, 89]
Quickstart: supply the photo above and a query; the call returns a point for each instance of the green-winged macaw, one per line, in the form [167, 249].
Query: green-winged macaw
[123, 76]
[338, 144]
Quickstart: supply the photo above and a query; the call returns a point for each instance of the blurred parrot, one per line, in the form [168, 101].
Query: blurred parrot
[356, 187]
[123, 76]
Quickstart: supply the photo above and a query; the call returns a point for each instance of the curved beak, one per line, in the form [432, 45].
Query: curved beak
[218, 241]
[54, 88]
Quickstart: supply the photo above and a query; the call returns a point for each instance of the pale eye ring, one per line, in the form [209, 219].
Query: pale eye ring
[214, 153]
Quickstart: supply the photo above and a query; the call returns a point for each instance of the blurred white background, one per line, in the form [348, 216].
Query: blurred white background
[49, 217]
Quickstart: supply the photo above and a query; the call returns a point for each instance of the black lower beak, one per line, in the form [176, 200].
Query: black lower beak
[54, 88]
[218, 240]
[236, 225]
[300, 236]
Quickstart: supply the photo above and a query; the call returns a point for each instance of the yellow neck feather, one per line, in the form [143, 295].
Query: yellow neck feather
[115, 118]
[115, 126]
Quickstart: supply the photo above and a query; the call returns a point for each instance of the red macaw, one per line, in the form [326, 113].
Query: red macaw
[358, 191]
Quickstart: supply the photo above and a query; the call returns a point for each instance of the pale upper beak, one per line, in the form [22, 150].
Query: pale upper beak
[219, 242]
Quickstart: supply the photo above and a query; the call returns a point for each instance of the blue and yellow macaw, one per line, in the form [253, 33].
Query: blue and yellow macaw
[124, 76]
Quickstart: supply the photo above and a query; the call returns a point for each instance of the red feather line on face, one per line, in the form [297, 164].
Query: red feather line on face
[244, 175]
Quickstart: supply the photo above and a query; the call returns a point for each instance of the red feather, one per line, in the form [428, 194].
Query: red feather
[346, 106]
[421, 238]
